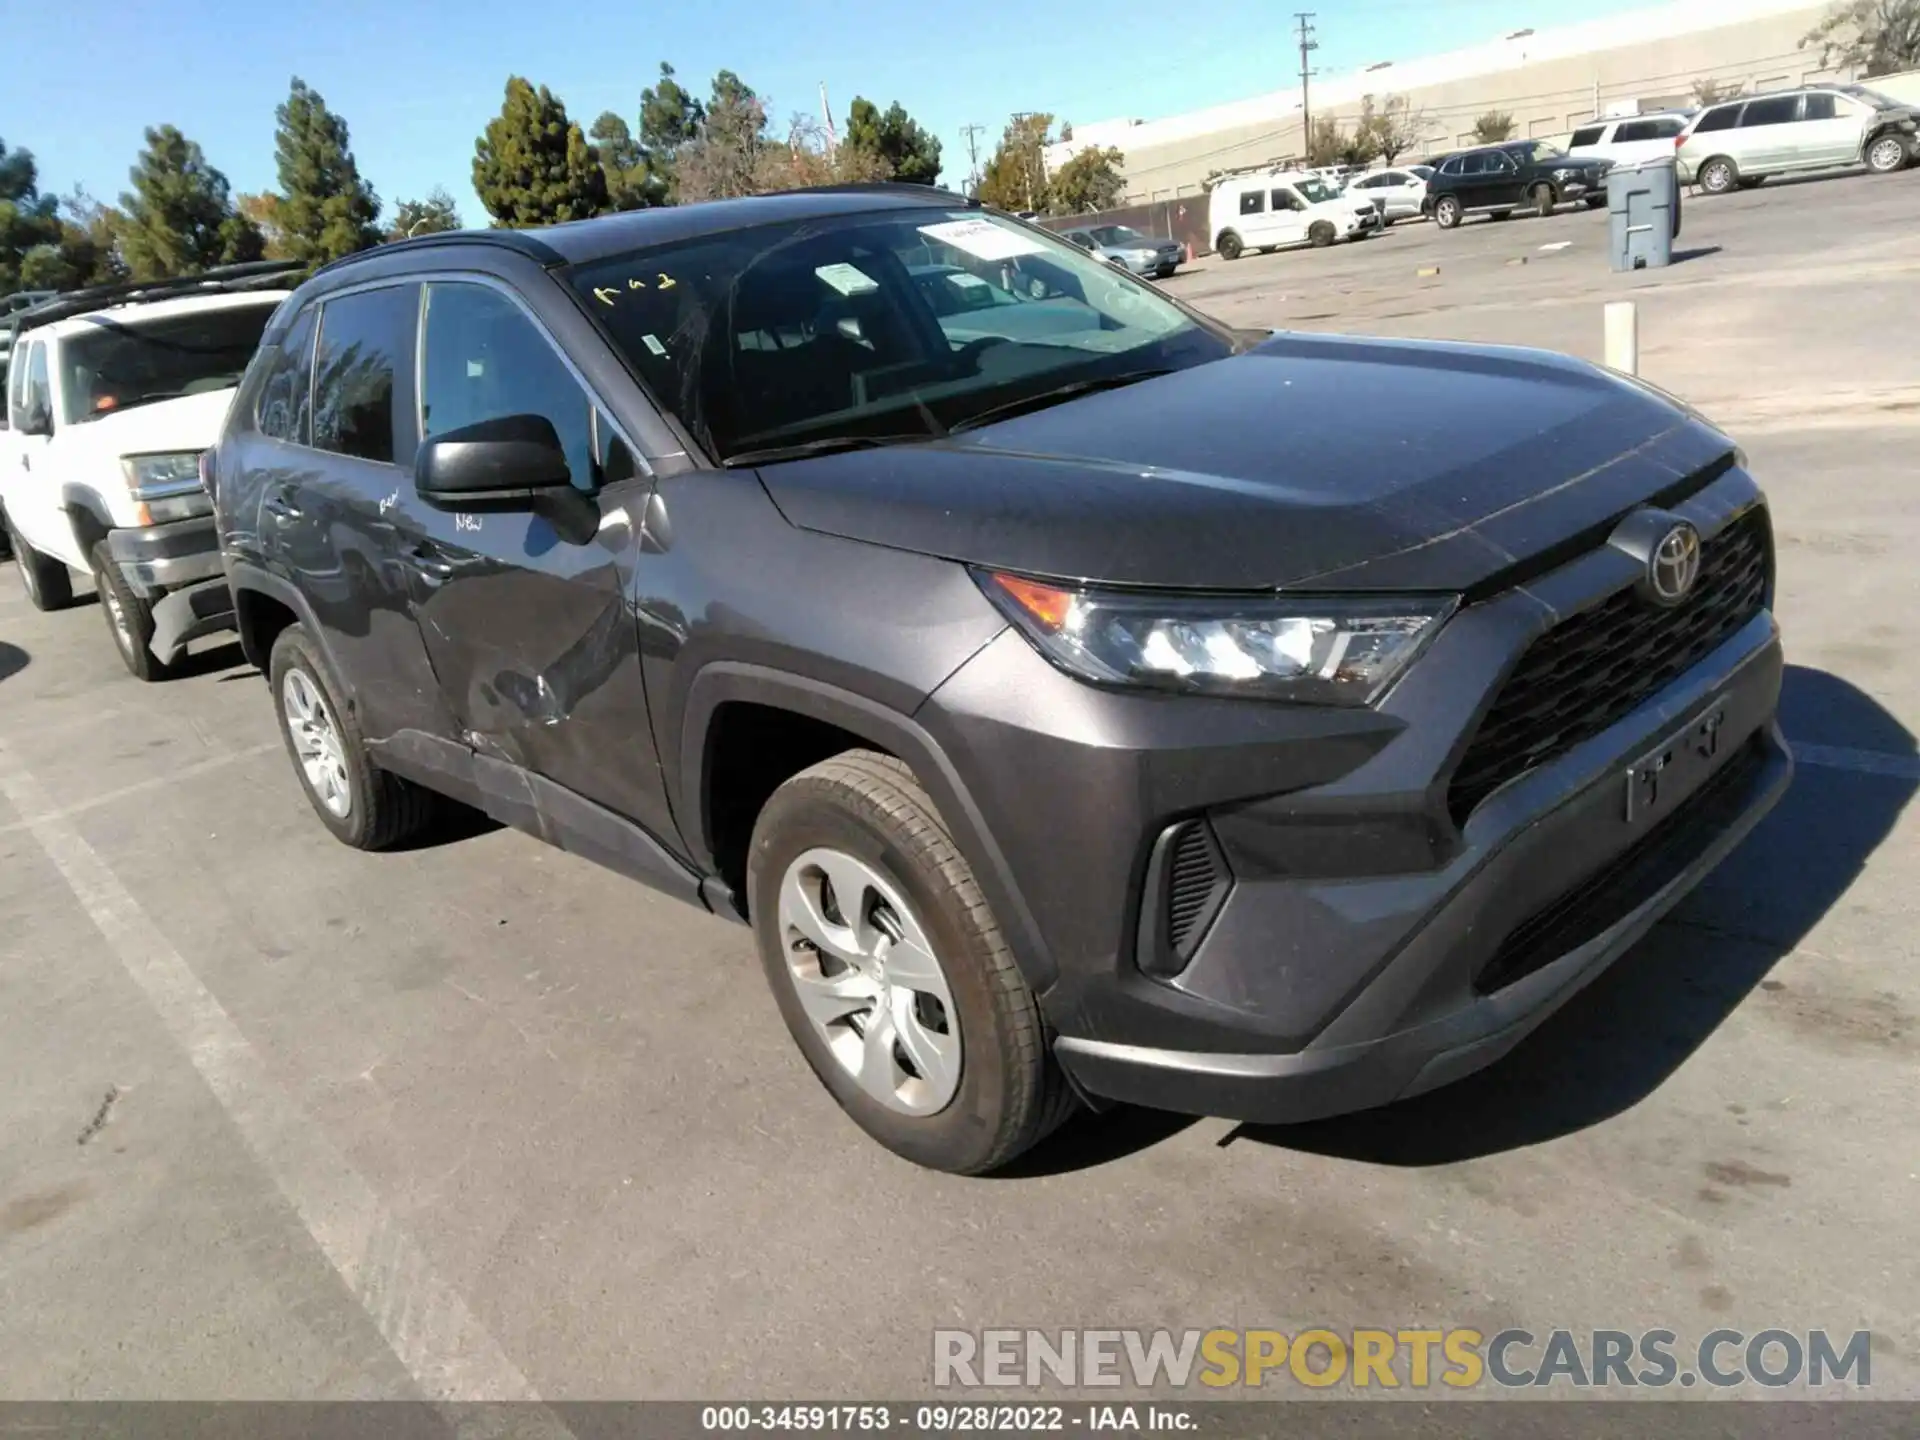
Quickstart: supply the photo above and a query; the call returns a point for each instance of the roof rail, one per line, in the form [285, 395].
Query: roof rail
[220, 280]
[932, 193]
[525, 242]
[1279, 162]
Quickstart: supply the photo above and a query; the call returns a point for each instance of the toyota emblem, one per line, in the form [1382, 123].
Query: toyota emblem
[1674, 564]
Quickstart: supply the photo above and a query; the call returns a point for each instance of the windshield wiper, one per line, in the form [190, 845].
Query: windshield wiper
[825, 445]
[1044, 398]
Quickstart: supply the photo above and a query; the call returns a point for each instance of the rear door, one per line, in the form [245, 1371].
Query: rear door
[1253, 222]
[533, 645]
[1768, 134]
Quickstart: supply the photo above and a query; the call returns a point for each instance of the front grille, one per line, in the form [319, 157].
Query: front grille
[1607, 897]
[1594, 668]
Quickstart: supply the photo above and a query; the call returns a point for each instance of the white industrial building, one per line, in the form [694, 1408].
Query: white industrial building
[1548, 80]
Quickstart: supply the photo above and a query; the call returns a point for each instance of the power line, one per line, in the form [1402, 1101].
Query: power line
[1308, 45]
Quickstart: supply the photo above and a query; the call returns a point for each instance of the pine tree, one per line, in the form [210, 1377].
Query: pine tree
[533, 166]
[430, 216]
[324, 210]
[179, 215]
[910, 153]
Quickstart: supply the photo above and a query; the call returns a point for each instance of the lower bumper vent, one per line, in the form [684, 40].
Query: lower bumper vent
[1187, 884]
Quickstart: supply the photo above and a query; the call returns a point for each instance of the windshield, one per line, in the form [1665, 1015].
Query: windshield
[118, 365]
[1871, 96]
[1542, 150]
[1316, 190]
[896, 324]
[1425, 172]
[1118, 235]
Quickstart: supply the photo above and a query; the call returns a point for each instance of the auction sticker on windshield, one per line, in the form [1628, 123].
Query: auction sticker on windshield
[983, 239]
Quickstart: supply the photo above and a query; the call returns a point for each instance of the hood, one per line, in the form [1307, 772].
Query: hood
[1314, 461]
[190, 423]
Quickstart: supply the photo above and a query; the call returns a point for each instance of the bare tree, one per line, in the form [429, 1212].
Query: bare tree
[1493, 127]
[809, 157]
[1708, 91]
[1395, 127]
[1869, 37]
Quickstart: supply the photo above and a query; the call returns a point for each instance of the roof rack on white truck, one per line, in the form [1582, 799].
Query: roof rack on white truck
[113, 395]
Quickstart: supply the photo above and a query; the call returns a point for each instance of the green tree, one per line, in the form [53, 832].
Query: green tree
[907, 152]
[1493, 127]
[1016, 176]
[1090, 181]
[324, 209]
[85, 252]
[724, 159]
[1869, 37]
[28, 219]
[1395, 127]
[179, 217]
[631, 181]
[533, 166]
[669, 120]
[433, 215]
[1327, 142]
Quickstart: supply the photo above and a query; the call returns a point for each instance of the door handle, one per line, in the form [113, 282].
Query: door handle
[277, 503]
[431, 559]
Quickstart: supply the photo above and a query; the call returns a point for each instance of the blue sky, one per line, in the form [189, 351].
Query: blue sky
[418, 81]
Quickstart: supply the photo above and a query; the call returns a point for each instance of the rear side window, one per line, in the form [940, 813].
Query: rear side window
[1774, 110]
[285, 411]
[1252, 202]
[366, 340]
[485, 360]
[1455, 166]
[1661, 129]
[1725, 118]
[1590, 135]
[1820, 106]
[35, 392]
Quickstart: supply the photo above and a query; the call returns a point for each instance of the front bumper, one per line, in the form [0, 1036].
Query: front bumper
[157, 558]
[1368, 946]
[189, 613]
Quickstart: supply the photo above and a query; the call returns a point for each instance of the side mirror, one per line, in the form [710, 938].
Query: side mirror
[37, 421]
[512, 463]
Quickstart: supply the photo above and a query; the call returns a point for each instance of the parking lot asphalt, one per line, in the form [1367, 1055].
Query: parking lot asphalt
[283, 1120]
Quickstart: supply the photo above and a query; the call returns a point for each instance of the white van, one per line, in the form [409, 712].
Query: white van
[1267, 209]
[1629, 139]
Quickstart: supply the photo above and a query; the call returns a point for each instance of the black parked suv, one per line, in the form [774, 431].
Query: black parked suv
[1081, 701]
[1496, 180]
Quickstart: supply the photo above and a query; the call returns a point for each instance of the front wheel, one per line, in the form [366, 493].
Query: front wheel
[1886, 154]
[1446, 212]
[129, 619]
[1541, 197]
[1320, 234]
[1229, 246]
[47, 581]
[891, 973]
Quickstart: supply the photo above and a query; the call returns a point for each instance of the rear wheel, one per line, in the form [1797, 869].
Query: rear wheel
[891, 973]
[129, 619]
[1229, 246]
[1718, 176]
[1499, 214]
[1446, 212]
[1886, 154]
[1751, 182]
[48, 583]
[1320, 234]
[362, 805]
[1541, 198]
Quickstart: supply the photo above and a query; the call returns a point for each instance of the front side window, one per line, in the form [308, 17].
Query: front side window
[1821, 106]
[366, 339]
[483, 359]
[1120, 235]
[895, 324]
[36, 395]
[1774, 110]
[1455, 166]
[1724, 118]
[120, 361]
[285, 408]
[1317, 190]
[1871, 96]
[1286, 200]
[1474, 165]
[1252, 202]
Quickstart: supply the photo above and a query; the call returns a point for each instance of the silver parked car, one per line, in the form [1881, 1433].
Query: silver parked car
[1740, 143]
[1129, 249]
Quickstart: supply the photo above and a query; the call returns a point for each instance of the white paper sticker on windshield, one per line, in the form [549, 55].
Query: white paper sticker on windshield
[653, 344]
[974, 282]
[983, 239]
[848, 279]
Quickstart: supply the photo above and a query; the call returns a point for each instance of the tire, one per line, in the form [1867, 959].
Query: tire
[993, 1089]
[47, 581]
[1886, 154]
[1447, 212]
[1541, 197]
[1594, 202]
[1320, 235]
[129, 619]
[1717, 176]
[1229, 246]
[1500, 215]
[1751, 182]
[6, 538]
[380, 810]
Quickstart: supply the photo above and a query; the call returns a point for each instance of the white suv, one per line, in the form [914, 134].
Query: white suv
[1629, 139]
[113, 395]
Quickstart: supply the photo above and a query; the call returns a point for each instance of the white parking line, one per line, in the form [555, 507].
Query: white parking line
[1865, 762]
[423, 1319]
[152, 782]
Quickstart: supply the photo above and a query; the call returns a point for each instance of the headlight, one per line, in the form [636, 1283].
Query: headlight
[1330, 650]
[1563, 175]
[155, 477]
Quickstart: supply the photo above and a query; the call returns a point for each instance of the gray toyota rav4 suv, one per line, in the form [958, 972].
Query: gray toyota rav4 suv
[1083, 702]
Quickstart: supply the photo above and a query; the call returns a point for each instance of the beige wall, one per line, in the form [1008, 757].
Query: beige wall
[1546, 98]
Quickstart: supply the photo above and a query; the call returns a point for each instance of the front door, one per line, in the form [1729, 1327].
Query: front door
[1829, 128]
[31, 491]
[1500, 180]
[532, 642]
[1288, 215]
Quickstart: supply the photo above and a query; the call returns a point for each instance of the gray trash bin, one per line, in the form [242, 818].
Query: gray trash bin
[1643, 213]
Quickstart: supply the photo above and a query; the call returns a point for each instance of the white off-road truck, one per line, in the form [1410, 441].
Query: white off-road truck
[113, 395]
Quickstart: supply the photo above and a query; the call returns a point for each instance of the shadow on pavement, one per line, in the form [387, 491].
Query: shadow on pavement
[213, 661]
[1698, 252]
[1090, 1141]
[1618, 1040]
[12, 660]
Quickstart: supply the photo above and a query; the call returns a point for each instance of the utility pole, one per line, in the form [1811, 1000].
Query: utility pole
[826, 118]
[1304, 18]
[973, 134]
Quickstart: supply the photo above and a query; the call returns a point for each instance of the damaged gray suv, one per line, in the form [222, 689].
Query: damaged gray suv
[1081, 701]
